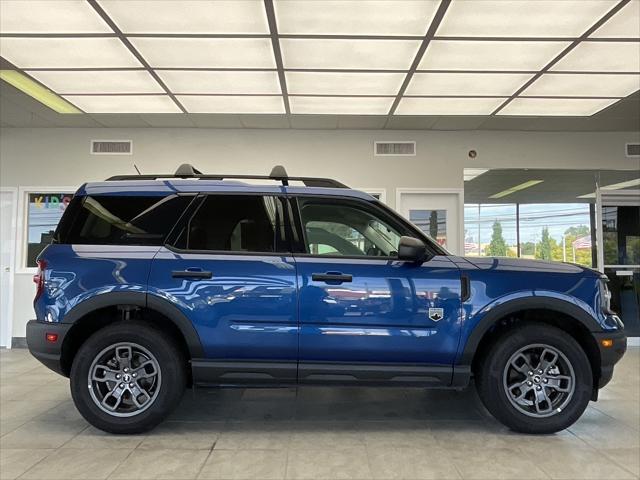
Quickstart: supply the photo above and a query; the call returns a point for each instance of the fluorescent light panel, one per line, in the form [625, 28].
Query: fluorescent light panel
[624, 24]
[37, 91]
[517, 18]
[98, 81]
[471, 173]
[67, 53]
[517, 188]
[124, 103]
[489, 55]
[50, 16]
[466, 83]
[221, 82]
[602, 57]
[621, 185]
[587, 85]
[355, 17]
[348, 54]
[447, 106]
[334, 83]
[206, 52]
[340, 105]
[566, 107]
[188, 16]
[226, 104]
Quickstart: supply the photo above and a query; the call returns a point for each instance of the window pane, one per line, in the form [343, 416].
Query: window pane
[339, 229]
[44, 213]
[236, 223]
[490, 230]
[621, 235]
[124, 220]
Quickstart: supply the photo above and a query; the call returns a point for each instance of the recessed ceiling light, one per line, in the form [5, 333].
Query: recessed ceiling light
[221, 82]
[584, 85]
[98, 81]
[348, 54]
[447, 106]
[565, 107]
[50, 16]
[124, 103]
[206, 52]
[355, 17]
[517, 188]
[37, 91]
[489, 55]
[602, 57]
[471, 173]
[338, 83]
[231, 104]
[67, 53]
[341, 105]
[503, 84]
[624, 24]
[515, 18]
[621, 185]
[188, 16]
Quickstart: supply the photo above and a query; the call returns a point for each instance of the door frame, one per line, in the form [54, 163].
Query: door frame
[438, 191]
[12, 260]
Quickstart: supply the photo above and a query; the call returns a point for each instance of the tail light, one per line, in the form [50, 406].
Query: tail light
[38, 278]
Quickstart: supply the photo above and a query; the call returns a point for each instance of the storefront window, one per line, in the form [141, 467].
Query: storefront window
[43, 214]
[490, 230]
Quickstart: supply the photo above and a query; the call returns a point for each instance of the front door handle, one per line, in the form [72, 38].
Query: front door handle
[331, 277]
[192, 273]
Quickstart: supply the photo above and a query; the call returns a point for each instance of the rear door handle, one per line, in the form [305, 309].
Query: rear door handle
[331, 277]
[192, 273]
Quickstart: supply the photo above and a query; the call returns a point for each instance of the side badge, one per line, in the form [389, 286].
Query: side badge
[436, 314]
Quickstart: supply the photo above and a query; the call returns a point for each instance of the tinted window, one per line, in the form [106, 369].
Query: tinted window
[347, 229]
[121, 220]
[236, 223]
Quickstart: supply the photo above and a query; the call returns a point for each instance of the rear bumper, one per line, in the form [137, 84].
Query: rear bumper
[609, 356]
[48, 353]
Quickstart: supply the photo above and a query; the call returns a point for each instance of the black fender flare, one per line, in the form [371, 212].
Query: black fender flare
[144, 300]
[516, 305]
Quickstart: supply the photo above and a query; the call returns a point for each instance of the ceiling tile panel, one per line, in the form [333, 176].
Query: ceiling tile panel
[67, 53]
[517, 18]
[448, 106]
[98, 81]
[355, 17]
[602, 57]
[188, 16]
[230, 104]
[489, 55]
[124, 103]
[221, 82]
[206, 52]
[555, 106]
[624, 24]
[348, 54]
[587, 85]
[503, 84]
[50, 16]
[325, 83]
[341, 105]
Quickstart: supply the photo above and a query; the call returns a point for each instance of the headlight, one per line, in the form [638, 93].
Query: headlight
[605, 296]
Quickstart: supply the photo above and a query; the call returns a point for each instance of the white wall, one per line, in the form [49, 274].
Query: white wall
[60, 157]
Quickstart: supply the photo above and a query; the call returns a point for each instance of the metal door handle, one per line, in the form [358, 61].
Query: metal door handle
[331, 277]
[203, 274]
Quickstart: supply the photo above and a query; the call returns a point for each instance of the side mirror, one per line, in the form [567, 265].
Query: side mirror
[411, 249]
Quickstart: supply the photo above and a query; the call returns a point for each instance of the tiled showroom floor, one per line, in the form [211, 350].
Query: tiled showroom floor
[311, 433]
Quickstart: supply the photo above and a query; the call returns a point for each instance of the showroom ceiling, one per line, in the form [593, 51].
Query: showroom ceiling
[394, 64]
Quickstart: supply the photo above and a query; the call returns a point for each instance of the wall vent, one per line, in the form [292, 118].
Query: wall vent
[395, 149]
[111, 147]
[633, 150]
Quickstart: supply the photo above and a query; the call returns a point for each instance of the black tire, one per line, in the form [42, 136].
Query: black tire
[172, 372]
[492, 384]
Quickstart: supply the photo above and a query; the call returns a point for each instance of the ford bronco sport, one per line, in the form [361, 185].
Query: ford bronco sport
[156, 282]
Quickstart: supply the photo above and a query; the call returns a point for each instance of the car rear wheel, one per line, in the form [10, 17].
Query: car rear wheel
[127, 377]
[535, 379]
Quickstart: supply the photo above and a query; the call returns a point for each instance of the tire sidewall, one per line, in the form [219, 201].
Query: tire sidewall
[495, 396]
[171, 367]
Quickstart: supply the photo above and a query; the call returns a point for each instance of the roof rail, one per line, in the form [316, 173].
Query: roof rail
[278, 173]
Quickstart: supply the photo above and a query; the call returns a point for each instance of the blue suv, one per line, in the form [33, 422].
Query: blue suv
[157, 282]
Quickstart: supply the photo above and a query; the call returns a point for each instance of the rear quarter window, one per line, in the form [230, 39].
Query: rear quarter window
[121, 220]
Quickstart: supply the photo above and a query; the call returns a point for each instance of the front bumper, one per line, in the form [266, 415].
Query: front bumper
[609, 356]
[48, 353]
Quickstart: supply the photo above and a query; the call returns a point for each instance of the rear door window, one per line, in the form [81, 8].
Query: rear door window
[122, 220]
